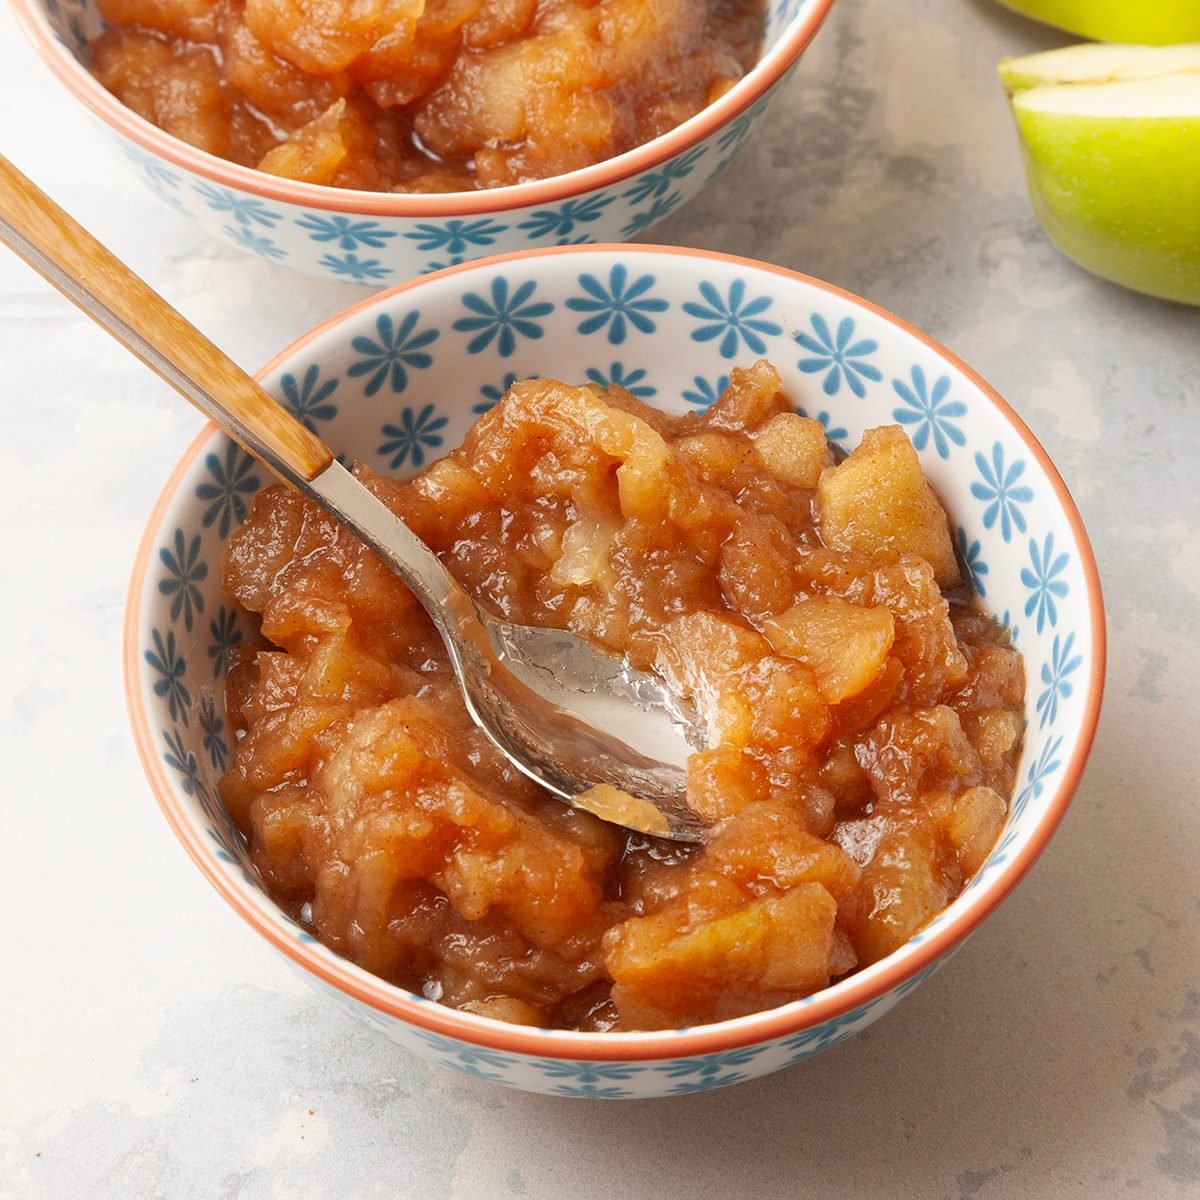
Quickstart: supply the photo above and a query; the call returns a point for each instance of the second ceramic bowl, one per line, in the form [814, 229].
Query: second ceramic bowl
[378, 239]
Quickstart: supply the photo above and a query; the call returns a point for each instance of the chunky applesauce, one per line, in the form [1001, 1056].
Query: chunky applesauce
[422, 95]
[863, 718]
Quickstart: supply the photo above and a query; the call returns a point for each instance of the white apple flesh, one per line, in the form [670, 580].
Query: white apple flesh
[1097, 62]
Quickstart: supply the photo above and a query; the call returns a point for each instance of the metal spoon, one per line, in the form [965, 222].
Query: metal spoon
[578, 721]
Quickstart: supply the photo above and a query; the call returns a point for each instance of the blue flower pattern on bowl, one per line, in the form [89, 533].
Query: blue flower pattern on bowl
[617, 376]
[929, 411]
[999, 489]
[838, 357]
[598, 1080]
[655, 184]
[179, 758]
[1044, 579]
[618, 304]
[256, 243]
[439, 265]
[834, 432]
[307, 398]
[162, 181]
[561, 223]
[1054, 675]
[348, 233]
[392, 353]
[170, 666]
[224, 636]
[476, 1061]
[232, 482]
[641, 221]
[1035, 782]
[732, 318]
[184, 573]
[971, 550]
[1013, 630]
[245, 210]
[492, 395]
[702, 393]
[355, 269]
[408, 441]
[503, 317]
[731, 140]
[232, 849]
[1031, 565]
[821, 1037]
[455, 237]
[714, 1070]
[212, 726]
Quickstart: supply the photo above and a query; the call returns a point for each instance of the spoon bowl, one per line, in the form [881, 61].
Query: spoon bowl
[580, 722]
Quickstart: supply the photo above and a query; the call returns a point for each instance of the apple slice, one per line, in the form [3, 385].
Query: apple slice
[1114, 165]
[1150, 22]
[1097, 62]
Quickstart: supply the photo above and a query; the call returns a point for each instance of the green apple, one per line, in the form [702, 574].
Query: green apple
[1150, 22]
[1112, 151]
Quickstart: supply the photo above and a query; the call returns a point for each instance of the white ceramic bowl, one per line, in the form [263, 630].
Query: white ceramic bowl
[397, 380]
[379, 239]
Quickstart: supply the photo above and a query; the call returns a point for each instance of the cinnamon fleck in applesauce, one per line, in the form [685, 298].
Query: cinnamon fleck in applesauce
[422, 95]
[863, 718]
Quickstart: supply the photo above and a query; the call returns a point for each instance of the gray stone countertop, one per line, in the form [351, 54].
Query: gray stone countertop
[152, 1046]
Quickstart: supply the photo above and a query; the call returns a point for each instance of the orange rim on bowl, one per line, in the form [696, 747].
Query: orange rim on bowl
[858, 989]
[768, 71]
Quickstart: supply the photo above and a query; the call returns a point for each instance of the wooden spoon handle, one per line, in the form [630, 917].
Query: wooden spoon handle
[61, 250]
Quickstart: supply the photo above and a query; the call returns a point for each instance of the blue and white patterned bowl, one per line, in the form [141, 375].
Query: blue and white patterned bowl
[397, 380]
[379, 239]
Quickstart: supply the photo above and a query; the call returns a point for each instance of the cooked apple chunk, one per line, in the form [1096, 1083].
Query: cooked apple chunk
[878, 502]
[762, 953]
[845, 645]
[974, 824]
[793, 448]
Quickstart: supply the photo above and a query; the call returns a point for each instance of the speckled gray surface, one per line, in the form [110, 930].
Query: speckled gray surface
[151, 1047]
